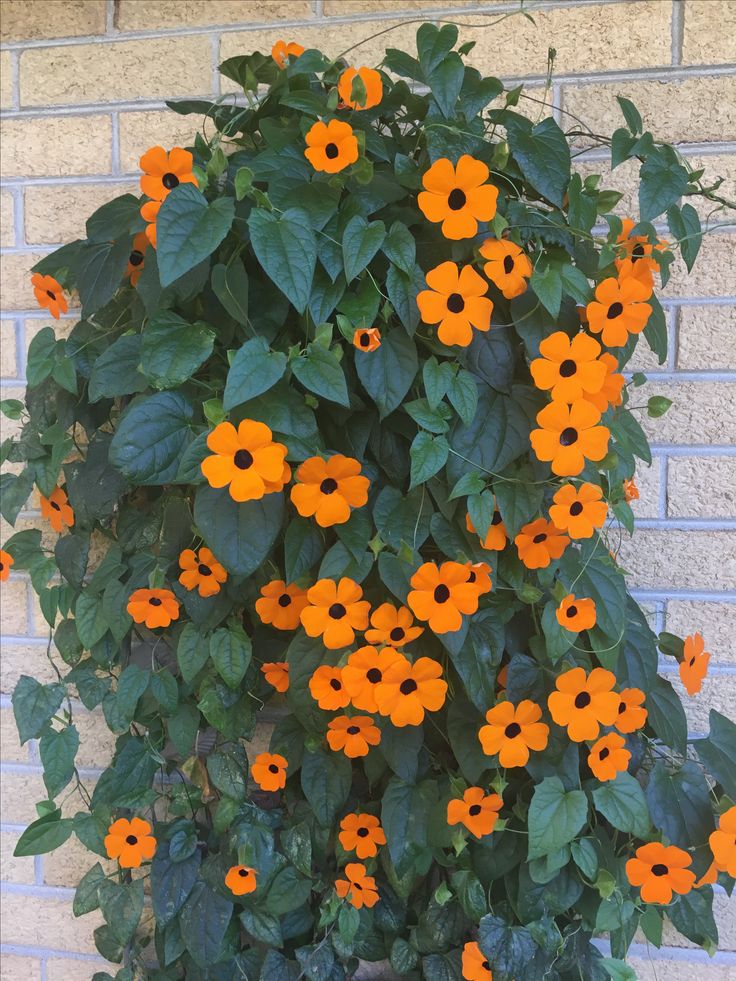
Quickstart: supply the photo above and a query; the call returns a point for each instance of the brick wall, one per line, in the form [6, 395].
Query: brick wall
[82, 93]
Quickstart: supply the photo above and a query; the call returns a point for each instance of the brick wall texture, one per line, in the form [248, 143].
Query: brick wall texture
[83, 90]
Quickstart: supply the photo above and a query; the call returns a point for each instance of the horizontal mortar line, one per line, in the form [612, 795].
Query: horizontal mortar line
[685, 376]
[693, 449]
[41, 892]
[30, 769]
[702, 595]
[94, 108]
[697, 301]
[688, 524]
[26, 249]
[10, 183]
[693, 954]
[706, 149]
[71, 955]
[18, 639]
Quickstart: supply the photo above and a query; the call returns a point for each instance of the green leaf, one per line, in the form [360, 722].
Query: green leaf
[617, 969]
[34, 705]
[433, 44]
[666, 715]
[303, 548]
[320, 372]
[685, 226]
[389, 372]
[623, 803]
[445, 82]
[204, 920]
[543, 155]
[231, 651]
[230, 284]
[405, 811]
[509, 949]
[361, 241]
[115, 218]
[58, 749]
[229, 772]
[86, 897]
[428, 456]
[100, 270]
[498, 434]
[40, 361]
[555, 816]
[192, 652]
[679, 803]
[240, 535]
[172, 349]
[326, 778]
[116, 372]
[400, 248]
[288, 891]
[44, 835]
[254, 370]
[402, 289]
[287, 249]
[718, 751]
[631, 115]
[122, 906]
[662, 182]
[462, 392]
[151, 436]
[547, 284]
[262, 926]
[188, 230]
[692, 915]
[171, 882]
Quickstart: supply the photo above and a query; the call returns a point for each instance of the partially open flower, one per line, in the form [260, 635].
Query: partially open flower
[392, 626]
[327, 689]
[136, 259]
[475, 964]
[694, 664]
[240, 880]
[49, 295]
[631, 712]
[276, 673]
[367, 339]
[508, 266]
[283, 50]
[6, 561]
[370, 82]
[201, 571]
[610, 392]
[358, 888]
[496, 536]
[57, 510]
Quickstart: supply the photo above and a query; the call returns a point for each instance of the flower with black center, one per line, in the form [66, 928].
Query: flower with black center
[328, 489]
[631, 491]
[362, 834]
[276, 673]
[406, 691]
[476, 810]
[358, 888]
[149, 213]
[576, 614]
[694, 664]
[475, 966]
[363, 671]
[568, 435]
[659, 871]
[392, 626]
[269, 771]
[508, 266]
[367, 339]
[479, 576]
[456, 301]
[241, 879]
[130, 842]
[440, 595]
[201, 571]
[49, 295]
[637, 255]
[584, 702]
[539, 542]
[371, 87]
[331, 147]
[579, 510]
[57, 510]
[136, 259]
[496, 536]
[568, 367]
[608, 757]
[6, 561]
[619, 310]
[246, 460]
[283, 50]
[154, 607]
[327, 689]
[611, 391]
[353, 734]
[335, 611]
[631, 712]
[163, 171]
[281, 605]
[512, 731]
[458, 196]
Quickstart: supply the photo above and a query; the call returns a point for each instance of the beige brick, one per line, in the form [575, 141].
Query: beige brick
[141, 130]
[709, 37]
[20, 792]
[18, 659]
[718, 692]
[31, 327]
[58, 969]
[8, 350]
[13, 967]
[657, 966]
[648, 481]
[16, 292]
[10, 428]
[715, 621]
[136, 15]
[28, 918]
[16, 870]
[57, 214]
[23, 21]
[688, 110]
[6, 80]
[702, 487]
[342, 8]
[683, 559]
[705, 338]
[643, 359]
[15, 606]
[701, 412]
[11, 750]
[7, 220]
[56, 146]
[714, 273]
[724, 913]
[96, 742]
[65, 866]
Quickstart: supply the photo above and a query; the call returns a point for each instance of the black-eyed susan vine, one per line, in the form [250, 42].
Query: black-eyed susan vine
[344, 431]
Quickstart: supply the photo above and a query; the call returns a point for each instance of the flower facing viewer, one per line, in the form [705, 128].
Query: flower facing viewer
[362, 834]
[154, 607]
[576, 614]
[269, 771]
[456, 301]
[608, 757]
[569, 368]
[163, 171]
[583, 703]
[392, 626]
[331, 147]
[406, 691]
[579, 511]
[458, 196]
[539, 542]
[281, 605]
[619, 310]
[631, 712]
[246, 460]
[512, 731]
[328, 489]
[363, 671]
[130, 842]
[6, 561]
[334, 612]
[136, 259]
[441, 594]
[476, 810]
[659, 871]
[568, 436]
[354, 735]
[327, 689]
[358, 888]
[201, 571]
[240, 880]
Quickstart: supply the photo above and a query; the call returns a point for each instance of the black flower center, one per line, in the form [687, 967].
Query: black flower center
[353, 730]
[456, 199]
[272, 768]
[2, 566]
[568, 436]
[604, 753]
[486, 966]
[51, 294]
[244, 873]
[576, 508]
[512, 731]
[582, 700]
[243, 459]
[496, 519]
[538, 539]
[357, 885]
[135, 258]
[364, 339]
[397, 634]
[284, 600]
[154, 601]
[441, 593]
[328, 486]
[373, 675]
[455, 303]
[337, 611]
[408, 687]
[131, 840]
[474, 810]
[331, 151]
[170, 181]
[204, 570]
[622, 706]
[335, 684]
[471, 576]
[572, 611]
[362, 832]
[659, 869]
[508, 264]
[568, 367]
[54, 505]
[615, 310]
[637, 252]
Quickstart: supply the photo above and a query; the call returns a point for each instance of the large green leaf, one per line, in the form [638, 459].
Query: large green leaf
[543, 154]
[116, 371]
[718, 751]
[286, 247]
[388, 372]
[231, 650]
[44, 835]
[320, 372]
[405, 813]
[555, 816]
[100, 270]
[58, 748]
[151, 436]
[254, 370]
[623, 803]
[204, 920]
[361, 240]
[34, 704]
[171, 882]
[509, 949]
[326, 779]
[172, 349]
[121, 905]
[188, 230]
[230, 284]
[663, 182]
[679, 803]
[240, 535]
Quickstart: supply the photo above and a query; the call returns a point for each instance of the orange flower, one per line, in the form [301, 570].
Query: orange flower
[331, 147]
[440, 595]
[241, 879]
[502, 679]
[613, 385]
[49, 294]
[154, 607]
[539, 542]
[475, 964]
[576, 614]
[328, 489]
[608, 757]
[202, 571]
[163, 171]
[327, 688]
[508, 266]
[512, 731]
[130, 842]
[56, 509]
[660, 871]
[631, 712]
[281, 605]
[723, 843]
[6, 561]
[496, 537]
[276, 673]
[359, 889]
[283, 50]
[618, 310]
[246, 460]
[479, 576]
[694, 665]
[335, 611]
[407, 690]
[353, 735]
[363, 671]
[583, 702]
[269, 771]
[569, 368]
[569, 435]
[477, 810]
[367, 339]
[631, 491]
[362, 834]
[579, 511]
[149, 213]
[458, 196]
[456, 301]
[135, 259]
[638, 257]
[372, 84]
[393, 627]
